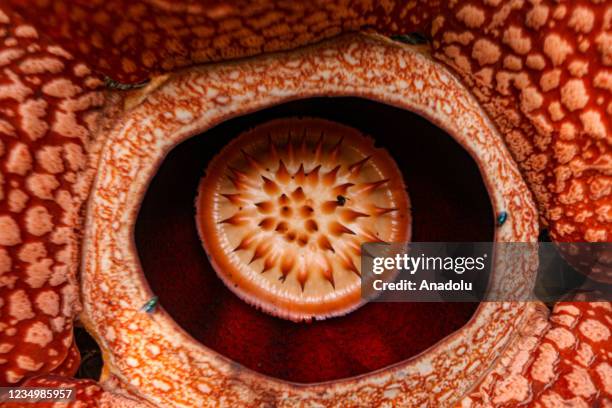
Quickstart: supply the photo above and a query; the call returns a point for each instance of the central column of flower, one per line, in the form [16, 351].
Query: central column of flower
[284, 208]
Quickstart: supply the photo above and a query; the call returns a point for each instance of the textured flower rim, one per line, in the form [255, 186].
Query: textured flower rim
[284, 208]
[188, 103]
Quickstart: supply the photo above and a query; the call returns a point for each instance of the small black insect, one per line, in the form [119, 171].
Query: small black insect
[411, 38]
[113, 84]
[150, 305]
[501, 218]
[341, 200]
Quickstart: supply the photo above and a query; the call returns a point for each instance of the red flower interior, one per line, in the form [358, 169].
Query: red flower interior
[376, 335]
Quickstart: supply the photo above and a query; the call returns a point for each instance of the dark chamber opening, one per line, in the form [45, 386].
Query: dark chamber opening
[449, 203]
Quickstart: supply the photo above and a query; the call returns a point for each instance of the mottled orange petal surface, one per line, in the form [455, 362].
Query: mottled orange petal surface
[129, 41]
[47, 100]
[557, 362]
[542, 70]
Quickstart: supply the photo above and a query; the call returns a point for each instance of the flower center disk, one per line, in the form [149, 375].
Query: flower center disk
[283, 209]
